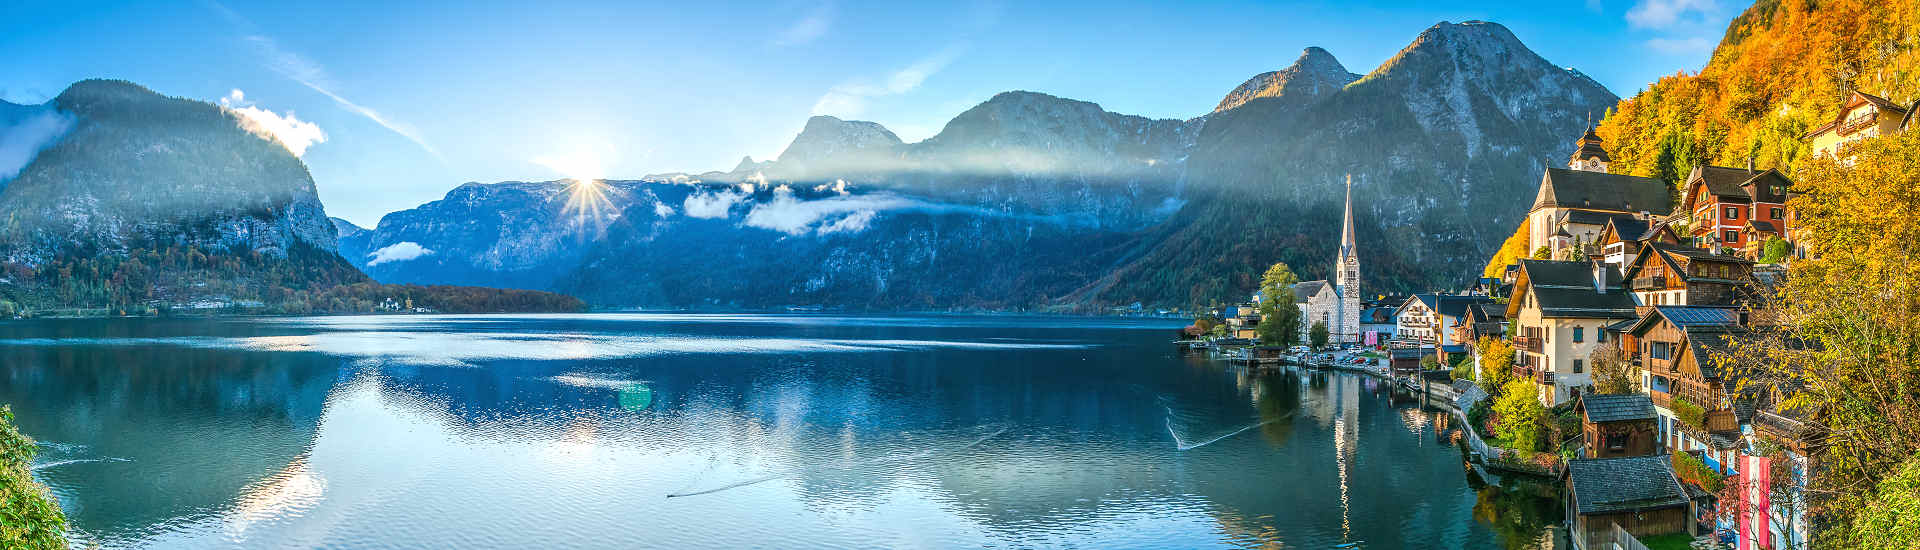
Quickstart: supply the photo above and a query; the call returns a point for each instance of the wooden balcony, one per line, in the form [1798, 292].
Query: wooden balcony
[1650, 283]
[1661, 399]
[1527, 344]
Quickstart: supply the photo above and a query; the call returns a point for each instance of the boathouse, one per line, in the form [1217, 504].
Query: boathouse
[1618, 425]
[1638, 493]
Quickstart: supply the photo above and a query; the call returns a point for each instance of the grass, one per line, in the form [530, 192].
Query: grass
[1672, 541]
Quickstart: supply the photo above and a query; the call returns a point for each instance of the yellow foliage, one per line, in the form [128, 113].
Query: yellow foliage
[1513, 250]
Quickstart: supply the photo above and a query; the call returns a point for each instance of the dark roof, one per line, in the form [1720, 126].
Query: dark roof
[1629, 228]
[1622, 325]
[1566, 289]
[1700, 317]
[1565, 188]
[1723, 182]
[1706, 348]
[1589, 217]
[1591, 146]
[1882, 102]
[1449, 304]
[1765, 226]
[1615, 408]
[1625, 484]
[1406, 353]
[1306, 289]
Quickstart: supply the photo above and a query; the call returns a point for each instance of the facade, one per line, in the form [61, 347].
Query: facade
[1337, 303]
[1862, 116]
[1623, 238]
[1617, 425]
[1428, 319]
[1722, 202]
[1562, 310]
[1671, 275]
[1678, 351]
[1581, 198]
[1319, 302]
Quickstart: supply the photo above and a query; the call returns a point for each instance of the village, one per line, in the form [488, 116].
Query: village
[1607, 360]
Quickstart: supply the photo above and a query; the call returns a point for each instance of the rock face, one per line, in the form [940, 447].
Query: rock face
[1034, 201]
[138, 167]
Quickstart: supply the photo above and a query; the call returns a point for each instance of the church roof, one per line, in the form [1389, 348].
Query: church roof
[1347, 245]
[1563, 188]
[1305, 290]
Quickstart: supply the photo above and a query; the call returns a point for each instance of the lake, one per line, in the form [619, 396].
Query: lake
[727, 431]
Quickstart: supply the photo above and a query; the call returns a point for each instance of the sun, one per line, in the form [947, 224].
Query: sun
[587, 199]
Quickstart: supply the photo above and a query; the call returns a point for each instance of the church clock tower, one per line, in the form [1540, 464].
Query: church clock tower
[1347, 279]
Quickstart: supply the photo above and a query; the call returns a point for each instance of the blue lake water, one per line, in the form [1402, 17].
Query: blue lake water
[727, 431]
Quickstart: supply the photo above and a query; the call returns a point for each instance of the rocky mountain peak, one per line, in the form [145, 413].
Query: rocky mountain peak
[826, 136]
[1313, 74]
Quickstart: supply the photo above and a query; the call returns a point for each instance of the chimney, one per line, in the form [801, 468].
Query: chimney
[1599, 277]
[1749, 164]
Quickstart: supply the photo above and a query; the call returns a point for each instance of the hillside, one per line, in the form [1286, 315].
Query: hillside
[140, 202]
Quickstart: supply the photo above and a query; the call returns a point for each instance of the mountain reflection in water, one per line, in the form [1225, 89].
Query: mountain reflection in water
[776, 431]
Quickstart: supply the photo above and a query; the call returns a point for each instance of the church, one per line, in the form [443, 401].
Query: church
[1575, 203]
[1338, 304]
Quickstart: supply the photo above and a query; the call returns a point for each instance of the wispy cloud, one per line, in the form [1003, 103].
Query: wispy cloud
[397, 252]
[300, 69]
[808, 28]
[1664, 14]
[291, 132]
[1681, 27]
[23, 139]
[1687, 45]
[850, 99]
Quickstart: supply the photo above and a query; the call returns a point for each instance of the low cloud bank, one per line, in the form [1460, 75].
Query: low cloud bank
[397, 252]
[23, 138]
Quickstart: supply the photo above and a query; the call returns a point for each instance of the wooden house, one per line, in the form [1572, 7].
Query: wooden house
[1640, 494]
[1623, 237]
[1721, 200]
[1679, 350]
[1673, 275]
[1618, 425]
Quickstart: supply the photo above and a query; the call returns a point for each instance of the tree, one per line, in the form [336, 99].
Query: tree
[1317, 336]
[1522, 418]
[1511, 251]
[1496, 363]
[1774, 250]
[1429, 362]
[1542, 253]
[1612, 373]
[32, 520]
[1279, 316]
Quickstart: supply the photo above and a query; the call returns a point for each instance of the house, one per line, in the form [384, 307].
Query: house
[1584, 186]
[1862, 116]
[1377, 320]
[1405, 360]
[1487, 319]
[1640, 494]
[1561, 310]
[1623, 237]
[1719, 202]
[1676, 349]
[1681, 275]
[1617, 425]
[1801, 445]
[1427, 319]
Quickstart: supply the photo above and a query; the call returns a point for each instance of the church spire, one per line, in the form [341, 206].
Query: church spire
[1346, 234]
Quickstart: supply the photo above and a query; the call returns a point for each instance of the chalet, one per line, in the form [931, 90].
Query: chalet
[1862, 116]
[1680, 275]
[1617, 425]
[1623, 237]
[1427, 319]
[1679, 350]
[1561, 311]
[1720, 201]
[1640, 494]
[1585, 187]
[1481, 319]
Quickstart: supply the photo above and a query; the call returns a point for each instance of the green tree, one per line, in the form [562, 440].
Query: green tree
[1542, 253]
[1774, 250]
[1522, 418]
[1279, 316]
[1496, 363]
[1317, 336]
[29, 518]
[1612, 373]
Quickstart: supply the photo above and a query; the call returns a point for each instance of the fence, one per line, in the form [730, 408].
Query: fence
[1611, 538]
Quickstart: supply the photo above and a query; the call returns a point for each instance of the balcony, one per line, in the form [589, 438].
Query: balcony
[1546, 377]
[1661, 399]
[1525, 343]
[1650, 283]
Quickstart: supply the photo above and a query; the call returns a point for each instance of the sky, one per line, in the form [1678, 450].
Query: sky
[392, 104]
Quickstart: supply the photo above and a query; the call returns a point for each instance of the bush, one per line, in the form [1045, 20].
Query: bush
[29, 518]
[1522, 418]
[1689, 413]
[1692, 470]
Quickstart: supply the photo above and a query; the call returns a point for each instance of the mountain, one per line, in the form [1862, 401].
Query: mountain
[1029, 200]
[128, 201]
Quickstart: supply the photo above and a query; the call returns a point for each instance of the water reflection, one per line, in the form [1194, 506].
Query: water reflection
[1007, 434]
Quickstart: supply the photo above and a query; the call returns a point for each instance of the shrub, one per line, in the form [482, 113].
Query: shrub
[29, 518]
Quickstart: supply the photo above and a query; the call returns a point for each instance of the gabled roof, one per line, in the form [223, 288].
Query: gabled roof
[1563, 188]
[1625, 484]
[1305, 290]
[1721, 182]
[1762, 226]
[1855, 100]
[1567, 290]
[1616, 408]
[1448, 305]
[1689, 318]
[1678, 258]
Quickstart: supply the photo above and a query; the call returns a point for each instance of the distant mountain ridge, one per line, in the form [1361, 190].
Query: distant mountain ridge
[1105, 208]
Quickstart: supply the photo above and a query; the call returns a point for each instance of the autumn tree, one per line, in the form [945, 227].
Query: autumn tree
[29, 517]
[1279, 317]
[1522, 418]
[1612, 373]
[1496, 363]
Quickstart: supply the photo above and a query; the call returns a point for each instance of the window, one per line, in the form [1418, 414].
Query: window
[1579, 366]
[1617, 442]
[1778, 213]
[1779, 190]
[1579, 335]
[1733, 212]
[1731, 237]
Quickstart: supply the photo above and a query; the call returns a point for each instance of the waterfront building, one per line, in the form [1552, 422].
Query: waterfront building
[1561, 311]
[1720, 201]
[1428, 319]
[1862, 116]
[1481, 319]
[1336, 304]
[1674, 275]
[1575, 202]
[1640, 494]
[1617, 425]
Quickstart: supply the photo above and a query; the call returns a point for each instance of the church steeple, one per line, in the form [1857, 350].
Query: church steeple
[1590, 153]
[1346, 270]
[1346, 234]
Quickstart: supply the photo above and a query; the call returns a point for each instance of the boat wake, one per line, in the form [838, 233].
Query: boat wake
[1180, 444]
[59, 463]
[843, 465]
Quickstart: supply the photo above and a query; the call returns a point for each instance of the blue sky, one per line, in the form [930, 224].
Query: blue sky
[396, 104]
